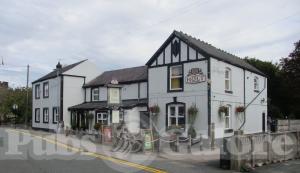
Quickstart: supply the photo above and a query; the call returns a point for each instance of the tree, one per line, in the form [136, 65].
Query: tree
[15, 96]
[291, 70]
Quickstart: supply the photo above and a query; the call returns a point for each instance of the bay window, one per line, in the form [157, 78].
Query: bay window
[176, 78]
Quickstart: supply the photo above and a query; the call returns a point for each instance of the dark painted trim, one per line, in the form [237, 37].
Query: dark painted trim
[43, 129]
[228, 131]
[45, 122]
[69, 75]
[164, 57]
[44, 84]
[39, 115]
[182, 62]
[179, 60]
[84, 94]
[209, 96]
[256, 91]
[57, 108]
[228, 92]
[35, 87]
[171, 51]
[61, 98]
[139, 90]
[167, 113]
[197, 56]
[188, 52]
[168, 78]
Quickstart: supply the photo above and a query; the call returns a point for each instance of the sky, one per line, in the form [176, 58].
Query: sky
[124, 33]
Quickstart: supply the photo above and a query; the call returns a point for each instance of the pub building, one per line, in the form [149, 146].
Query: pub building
[229, 93]
[124, 90]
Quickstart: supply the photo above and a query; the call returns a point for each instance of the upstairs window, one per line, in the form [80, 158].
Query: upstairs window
[228, 80]
[95, 94]
[176, 78]
[46, 90]
[37, 91]
[256, 84]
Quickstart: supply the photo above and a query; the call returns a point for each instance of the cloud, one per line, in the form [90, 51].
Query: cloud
[116, 34]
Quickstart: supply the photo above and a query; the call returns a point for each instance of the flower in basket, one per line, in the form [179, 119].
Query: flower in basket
[223, 111]
[154, 109]
[240, 109]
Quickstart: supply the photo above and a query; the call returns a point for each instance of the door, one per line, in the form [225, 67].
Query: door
[144, 120]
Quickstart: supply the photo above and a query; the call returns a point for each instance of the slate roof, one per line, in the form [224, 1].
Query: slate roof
[126, 75]
[209, 50]
[53, 74]
[103, 104]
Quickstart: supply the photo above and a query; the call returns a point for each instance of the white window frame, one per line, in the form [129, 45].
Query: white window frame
[46, 89]
[228, 78]
[256, 83]
[176, 116]
[37, 114]
[175, 77]
[55, 116]
[37, 91]
[45, 115]
[95, 93]
[100, 118]
[227, 117]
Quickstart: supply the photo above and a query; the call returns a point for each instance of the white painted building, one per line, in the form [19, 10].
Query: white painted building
[132, 86]
[185, 71]
[55, 92]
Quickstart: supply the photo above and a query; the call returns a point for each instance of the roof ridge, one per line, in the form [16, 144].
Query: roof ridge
[125, 68]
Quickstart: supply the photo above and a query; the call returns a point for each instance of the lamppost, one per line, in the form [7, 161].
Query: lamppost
[15, 108]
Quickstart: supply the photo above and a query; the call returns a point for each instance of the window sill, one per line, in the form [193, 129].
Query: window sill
[257, 91]
[175, 90]
[228, 131]
[228, 92]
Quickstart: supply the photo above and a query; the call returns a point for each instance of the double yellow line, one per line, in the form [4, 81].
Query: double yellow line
[95, 155]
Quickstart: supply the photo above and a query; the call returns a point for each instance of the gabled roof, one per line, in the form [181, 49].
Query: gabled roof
[53, 74]
[126, 75]
[208, 50]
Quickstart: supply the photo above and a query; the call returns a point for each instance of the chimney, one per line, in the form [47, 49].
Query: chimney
[58, 66]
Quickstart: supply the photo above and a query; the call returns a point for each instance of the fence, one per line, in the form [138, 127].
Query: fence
[287, 125]
[240, 151]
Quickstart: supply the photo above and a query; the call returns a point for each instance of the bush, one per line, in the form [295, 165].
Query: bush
[192, 132]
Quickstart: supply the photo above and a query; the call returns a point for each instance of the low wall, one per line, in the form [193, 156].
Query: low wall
[254, 150]
[287, 125]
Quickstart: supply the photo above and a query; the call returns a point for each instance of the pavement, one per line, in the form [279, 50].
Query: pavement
[39, 151]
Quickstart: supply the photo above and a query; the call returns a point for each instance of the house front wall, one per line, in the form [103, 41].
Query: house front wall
[192, 94]
[242, 87]
[52, 101]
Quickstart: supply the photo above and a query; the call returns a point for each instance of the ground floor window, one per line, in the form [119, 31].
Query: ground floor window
[37, 115]
[45, 115]
[55, 115]
[103, 118]
[176, 115]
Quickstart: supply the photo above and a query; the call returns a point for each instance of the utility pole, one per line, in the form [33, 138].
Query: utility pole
[27, 98]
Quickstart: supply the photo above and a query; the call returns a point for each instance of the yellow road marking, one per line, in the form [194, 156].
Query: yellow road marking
[96, 155]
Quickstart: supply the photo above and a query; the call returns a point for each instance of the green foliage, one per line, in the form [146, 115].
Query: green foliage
[154, 109]
[97, 126]
[192, 112]
[222, 109]
[9, 97]
[192, 132]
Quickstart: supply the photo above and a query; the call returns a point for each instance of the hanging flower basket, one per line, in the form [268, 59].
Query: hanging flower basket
[240, 109]
[154, 109]
[223, 111]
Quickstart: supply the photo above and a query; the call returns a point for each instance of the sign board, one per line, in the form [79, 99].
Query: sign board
[114, 95]
[107, 134]
[115, 116]
[148, 138]
[195, 76]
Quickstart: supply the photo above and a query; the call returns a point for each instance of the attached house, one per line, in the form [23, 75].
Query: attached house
[55, 92]
[129, 83]
[229, 93]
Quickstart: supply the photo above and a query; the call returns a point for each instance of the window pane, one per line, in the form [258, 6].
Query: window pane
[172, 121]
[181, 111]
[227, 85]
[172, 111]
[226, 74]
[176, 71]
[176, 83]
[181, 122]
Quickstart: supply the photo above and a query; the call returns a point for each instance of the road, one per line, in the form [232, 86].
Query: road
[26, 153]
